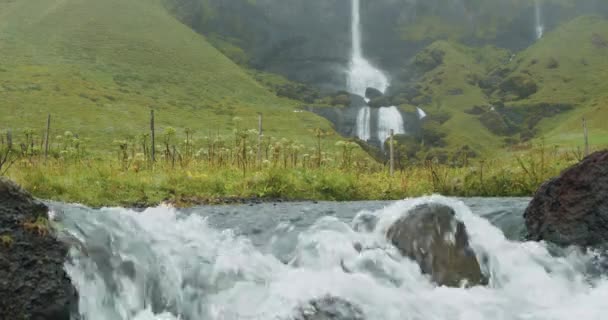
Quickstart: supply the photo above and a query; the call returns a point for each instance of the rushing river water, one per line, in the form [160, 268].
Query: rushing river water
[269, 261]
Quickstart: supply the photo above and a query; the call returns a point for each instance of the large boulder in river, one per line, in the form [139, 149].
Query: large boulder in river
[572, 209]
[431, 235]
[33, 283]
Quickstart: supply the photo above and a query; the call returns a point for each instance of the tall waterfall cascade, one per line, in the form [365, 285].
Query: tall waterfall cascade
[362, 75]
[539, 27]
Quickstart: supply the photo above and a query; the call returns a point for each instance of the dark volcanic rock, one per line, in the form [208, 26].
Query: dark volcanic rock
[572, 209]
[372, 93]
[432, 236]
[329, 308]
[33, 283]
[379, 102]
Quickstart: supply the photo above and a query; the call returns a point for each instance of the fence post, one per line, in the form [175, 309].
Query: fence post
[392, 153]
[260, 133]
[9, 139]
[47, 136]
[586, 132]
[153, 150]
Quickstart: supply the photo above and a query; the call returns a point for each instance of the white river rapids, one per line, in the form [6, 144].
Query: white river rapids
[269, 261]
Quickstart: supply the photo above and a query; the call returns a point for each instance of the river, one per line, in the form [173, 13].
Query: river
[269, 261]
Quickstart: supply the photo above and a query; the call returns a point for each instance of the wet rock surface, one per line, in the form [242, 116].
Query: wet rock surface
[329, 308]
[431, 235]
[572, 209]
[33, 283]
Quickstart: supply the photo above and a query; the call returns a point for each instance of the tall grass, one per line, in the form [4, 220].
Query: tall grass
[192, 168]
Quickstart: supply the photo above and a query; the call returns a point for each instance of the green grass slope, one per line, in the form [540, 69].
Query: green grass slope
[99, 66]
[567, 67]
[570, 66]
[452, 86]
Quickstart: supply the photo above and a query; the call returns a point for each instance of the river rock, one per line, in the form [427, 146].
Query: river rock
[572, 209]
[431, 235]
[329, 308]
[33, 283]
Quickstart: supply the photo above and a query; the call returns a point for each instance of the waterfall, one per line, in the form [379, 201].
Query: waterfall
[389, 118]
[421, 113]
[538, 24]
[363, 75]
[363, 123]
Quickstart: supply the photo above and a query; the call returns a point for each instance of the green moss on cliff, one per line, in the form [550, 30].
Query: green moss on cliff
[453, 87]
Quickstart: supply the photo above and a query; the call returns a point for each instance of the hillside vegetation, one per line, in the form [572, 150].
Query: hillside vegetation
[99, 66]
[490, 99]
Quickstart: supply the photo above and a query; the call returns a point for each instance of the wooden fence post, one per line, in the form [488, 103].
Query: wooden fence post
[586, 133]
[9, 139]
[47, 137]
[260, 133]
[153, 150]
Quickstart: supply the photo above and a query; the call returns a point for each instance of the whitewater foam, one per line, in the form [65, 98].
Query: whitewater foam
[161, 264]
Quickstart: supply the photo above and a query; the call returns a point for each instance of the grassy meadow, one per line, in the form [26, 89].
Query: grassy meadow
[191, 168]
[100, 66]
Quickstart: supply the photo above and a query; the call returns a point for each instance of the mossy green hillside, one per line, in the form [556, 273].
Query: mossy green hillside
[569, 66]
[99, 66]
[565, 71]
[451, 86]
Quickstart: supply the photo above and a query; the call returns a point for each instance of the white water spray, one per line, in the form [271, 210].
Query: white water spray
[539, 27]
[389, 118]
[163, 265]
[364, 123]
[421, 113]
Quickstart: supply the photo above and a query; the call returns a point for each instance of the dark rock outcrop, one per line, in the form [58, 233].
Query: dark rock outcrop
[519, 86]
[33, 283]
[572, 209]
[382, 101]
[432, 236]
[372, 93]
[329, 308]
